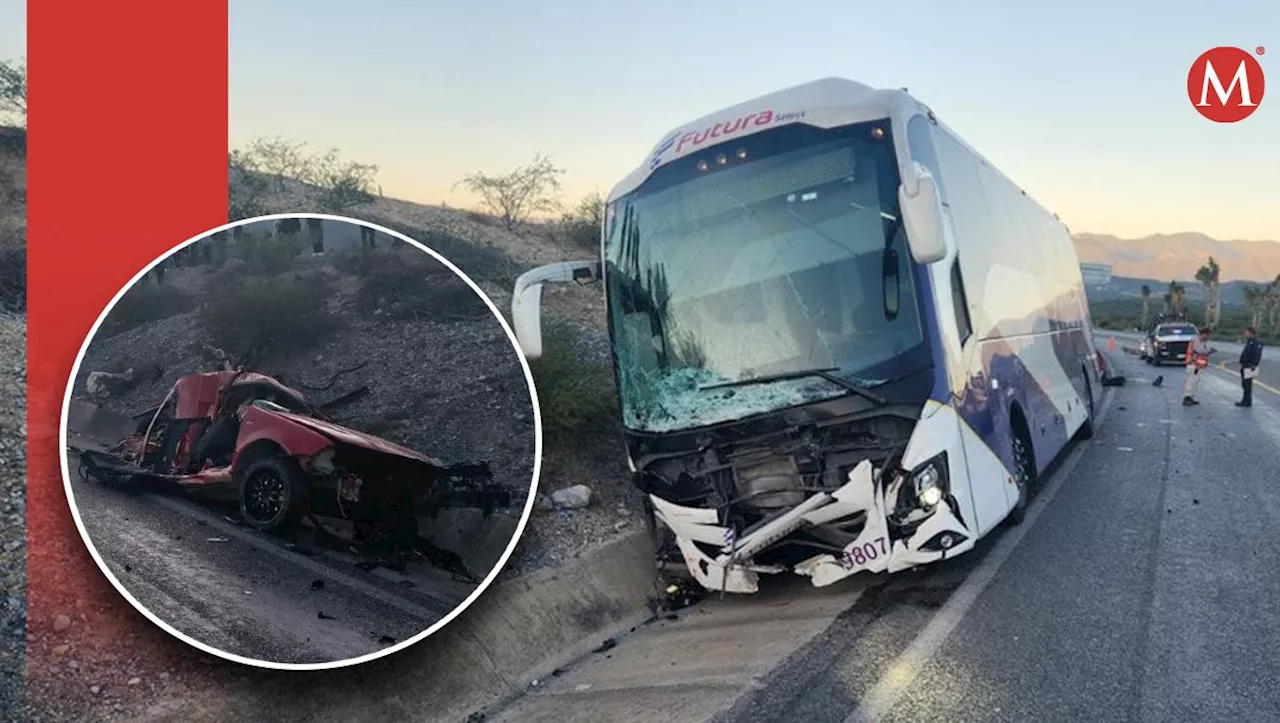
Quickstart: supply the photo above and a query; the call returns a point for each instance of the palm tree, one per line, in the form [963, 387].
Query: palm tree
[1203, 276]
[1168, 303]
[1273, 304]
[1146, 304]
[1255, 297]
[1178, 296]
[1208, 275]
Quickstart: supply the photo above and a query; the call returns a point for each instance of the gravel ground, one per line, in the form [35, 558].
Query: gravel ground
[557, 536]
[13, 498]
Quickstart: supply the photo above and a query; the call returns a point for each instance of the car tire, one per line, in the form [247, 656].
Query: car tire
[273, 495]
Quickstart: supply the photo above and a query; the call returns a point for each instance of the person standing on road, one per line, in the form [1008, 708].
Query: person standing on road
[1250, 358]
[1198, 353]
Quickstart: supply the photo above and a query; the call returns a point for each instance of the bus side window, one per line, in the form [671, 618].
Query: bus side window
[960, 302]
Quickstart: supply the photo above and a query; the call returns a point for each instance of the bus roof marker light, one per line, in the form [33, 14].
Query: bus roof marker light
[702, 166]
[877, 133]
[721, 160]
[742, 153]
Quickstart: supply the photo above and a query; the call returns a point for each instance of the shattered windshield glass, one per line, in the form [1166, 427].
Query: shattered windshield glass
[760, 258]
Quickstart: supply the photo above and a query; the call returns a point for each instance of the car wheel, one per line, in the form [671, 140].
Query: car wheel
[273, 496]
[1024, 476]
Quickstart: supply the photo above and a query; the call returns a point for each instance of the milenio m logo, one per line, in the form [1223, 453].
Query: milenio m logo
[1226, 83]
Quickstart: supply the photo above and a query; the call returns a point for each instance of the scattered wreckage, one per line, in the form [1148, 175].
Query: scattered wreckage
[244, 437]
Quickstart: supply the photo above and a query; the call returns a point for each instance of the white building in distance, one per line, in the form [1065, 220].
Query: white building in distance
[1096, 274]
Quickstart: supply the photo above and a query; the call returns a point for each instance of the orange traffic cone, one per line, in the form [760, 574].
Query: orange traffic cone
[1111, 344]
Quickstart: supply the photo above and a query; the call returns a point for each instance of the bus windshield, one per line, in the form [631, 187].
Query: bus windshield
[761, 259]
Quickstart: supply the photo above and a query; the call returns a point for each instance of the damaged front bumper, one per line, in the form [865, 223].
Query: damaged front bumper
[878, 547]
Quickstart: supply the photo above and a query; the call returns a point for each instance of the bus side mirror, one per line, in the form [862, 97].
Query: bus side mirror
[526, 299]
[923, 219]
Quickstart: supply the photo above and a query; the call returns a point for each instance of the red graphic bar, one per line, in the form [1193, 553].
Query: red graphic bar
[127, 135]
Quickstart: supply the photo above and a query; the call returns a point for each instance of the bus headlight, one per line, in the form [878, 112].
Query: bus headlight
[929, 481]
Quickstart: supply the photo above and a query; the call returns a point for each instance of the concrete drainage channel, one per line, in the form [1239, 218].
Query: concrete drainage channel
[528, 628]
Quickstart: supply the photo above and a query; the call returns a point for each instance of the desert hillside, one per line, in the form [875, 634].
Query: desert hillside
[1178, 256]
[410, 350]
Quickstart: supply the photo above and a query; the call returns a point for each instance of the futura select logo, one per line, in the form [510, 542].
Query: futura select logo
[1226, 83]
[656, 159]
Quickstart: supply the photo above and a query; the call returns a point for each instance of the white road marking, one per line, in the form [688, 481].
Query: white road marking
[877, 703]
[299, 560]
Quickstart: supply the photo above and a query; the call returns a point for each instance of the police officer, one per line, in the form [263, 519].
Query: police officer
[1250, 358]
[1197, 361]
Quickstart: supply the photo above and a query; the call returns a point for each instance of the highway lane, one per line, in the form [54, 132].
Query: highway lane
[1141, 587]
[251, 594]
[1267, 383]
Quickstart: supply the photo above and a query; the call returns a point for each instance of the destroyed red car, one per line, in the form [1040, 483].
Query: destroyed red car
[246, 437]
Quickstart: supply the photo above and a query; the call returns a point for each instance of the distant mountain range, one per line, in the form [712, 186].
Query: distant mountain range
[1179, 256]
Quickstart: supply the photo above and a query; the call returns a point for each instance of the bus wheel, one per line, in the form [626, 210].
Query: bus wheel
[1024, 475]
[1086, 429]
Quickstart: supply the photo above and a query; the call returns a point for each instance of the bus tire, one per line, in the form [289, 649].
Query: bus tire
[1086, 430]
[1024, 471]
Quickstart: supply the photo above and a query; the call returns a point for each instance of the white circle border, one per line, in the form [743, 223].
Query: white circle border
[392, 649]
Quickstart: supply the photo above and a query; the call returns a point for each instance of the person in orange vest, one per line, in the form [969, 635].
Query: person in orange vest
[1197, 360]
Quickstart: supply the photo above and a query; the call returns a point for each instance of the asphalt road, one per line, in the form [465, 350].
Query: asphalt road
[251, 594]
[1142, 586]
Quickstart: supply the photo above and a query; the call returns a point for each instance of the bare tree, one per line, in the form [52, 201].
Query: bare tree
[280, 158]
[516, 196]
[247, 187]
[13, 89]
[581, 226]
[343, 184]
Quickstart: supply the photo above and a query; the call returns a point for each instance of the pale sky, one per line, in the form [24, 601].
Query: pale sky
[1083, 103]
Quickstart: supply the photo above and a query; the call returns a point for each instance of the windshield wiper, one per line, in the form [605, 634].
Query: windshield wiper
[826, 373]
[874, 383]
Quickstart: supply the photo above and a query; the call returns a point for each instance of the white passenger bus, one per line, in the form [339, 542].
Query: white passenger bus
[843, 340]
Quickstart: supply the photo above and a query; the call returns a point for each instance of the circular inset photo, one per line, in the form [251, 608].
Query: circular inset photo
[301, 441]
